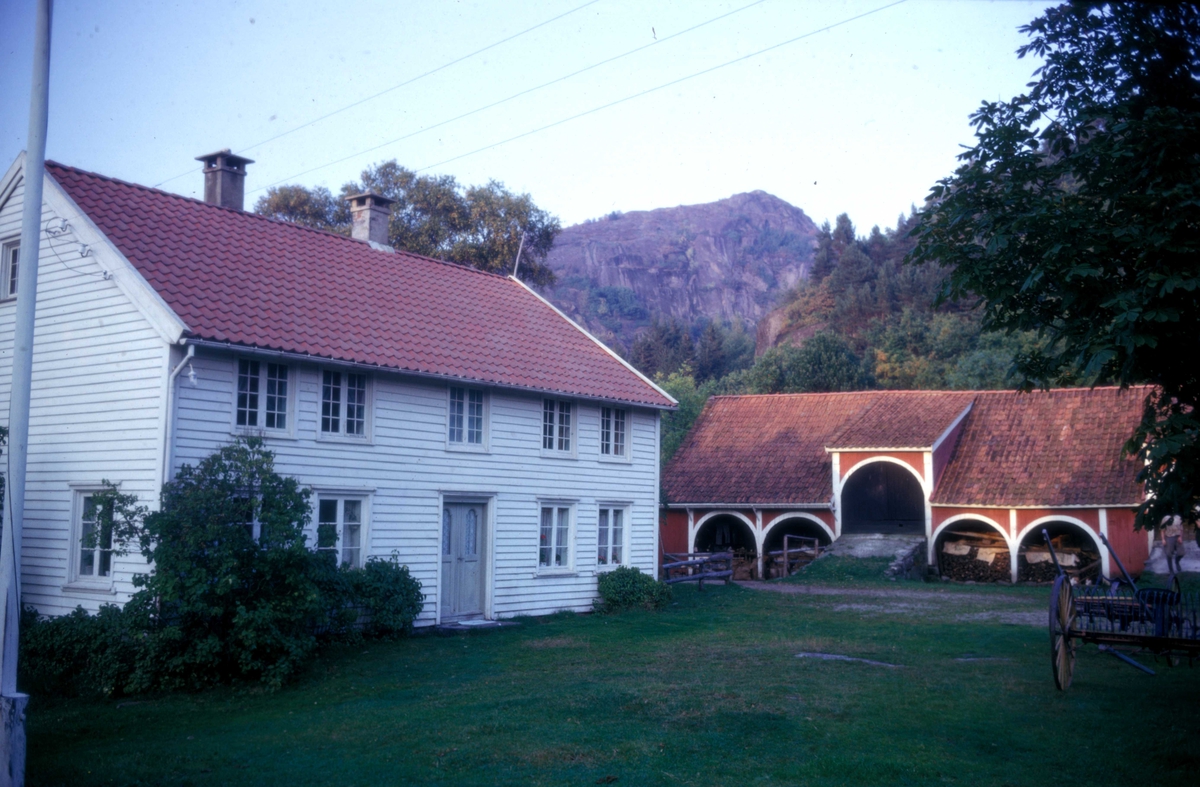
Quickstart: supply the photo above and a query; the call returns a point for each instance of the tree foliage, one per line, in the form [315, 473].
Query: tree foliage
[1076, 216]
[434, 215]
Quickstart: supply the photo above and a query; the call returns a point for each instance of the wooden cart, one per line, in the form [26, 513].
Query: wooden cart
[1120, 618]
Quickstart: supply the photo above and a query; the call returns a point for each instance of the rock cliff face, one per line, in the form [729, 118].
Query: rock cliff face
[725, 260]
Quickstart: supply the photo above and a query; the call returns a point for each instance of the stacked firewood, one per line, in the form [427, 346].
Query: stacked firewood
[975, 557]
[1036, 565]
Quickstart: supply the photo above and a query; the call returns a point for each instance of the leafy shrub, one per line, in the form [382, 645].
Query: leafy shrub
[77, 653]
[235, 593]
[628, 588]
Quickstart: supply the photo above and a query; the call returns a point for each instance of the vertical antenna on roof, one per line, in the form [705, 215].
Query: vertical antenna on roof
[517, 261]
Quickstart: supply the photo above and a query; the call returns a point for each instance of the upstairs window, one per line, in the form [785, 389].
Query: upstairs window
[467, 422]
[556, 426]
[613, 435]
[344, 404]
[9, 268]
[340, 530]
[263, 391]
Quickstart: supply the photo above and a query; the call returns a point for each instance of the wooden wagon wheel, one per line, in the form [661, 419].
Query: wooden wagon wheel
[1062, 647]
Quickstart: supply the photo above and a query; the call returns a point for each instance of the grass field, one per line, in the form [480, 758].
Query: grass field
[709, 692]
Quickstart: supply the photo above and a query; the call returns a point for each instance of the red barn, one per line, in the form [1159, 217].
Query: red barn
[925, 463]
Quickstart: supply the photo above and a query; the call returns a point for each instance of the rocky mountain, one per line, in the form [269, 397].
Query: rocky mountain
[726, 260]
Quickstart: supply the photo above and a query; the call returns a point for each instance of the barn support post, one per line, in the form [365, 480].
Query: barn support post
[759, 541]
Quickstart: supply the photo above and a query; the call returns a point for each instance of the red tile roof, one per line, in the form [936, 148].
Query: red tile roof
[1041, 449]
[244, 279]
[902, 419]
[762, 449]
[1046, 448]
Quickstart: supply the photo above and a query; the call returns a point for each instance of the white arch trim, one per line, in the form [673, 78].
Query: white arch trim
[700, 523]
[973, 518]
[893, 460]
[799, 515]
[1084, 526]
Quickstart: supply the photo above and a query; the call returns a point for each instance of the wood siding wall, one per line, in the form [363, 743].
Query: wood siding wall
[409, 471]
[99, 377]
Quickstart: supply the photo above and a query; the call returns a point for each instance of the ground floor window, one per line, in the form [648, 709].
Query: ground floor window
[554, 541]
[94, 539]
[340, 529]
[610, 536]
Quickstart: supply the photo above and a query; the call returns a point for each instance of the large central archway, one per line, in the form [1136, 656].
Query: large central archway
[883, 497]
[729, 533]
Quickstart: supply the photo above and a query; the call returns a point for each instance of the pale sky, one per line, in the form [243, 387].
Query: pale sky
[862, 118]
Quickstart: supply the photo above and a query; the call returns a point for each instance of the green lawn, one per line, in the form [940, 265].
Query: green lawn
[708, 692]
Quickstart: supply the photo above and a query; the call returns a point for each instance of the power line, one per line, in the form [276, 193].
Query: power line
[513, 96]
[662, 86]
[394, 87]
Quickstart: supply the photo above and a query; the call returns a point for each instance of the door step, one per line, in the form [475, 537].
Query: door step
[460, 626]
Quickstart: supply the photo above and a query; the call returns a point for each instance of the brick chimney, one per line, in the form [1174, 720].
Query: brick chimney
[369, 217]
[224, 178]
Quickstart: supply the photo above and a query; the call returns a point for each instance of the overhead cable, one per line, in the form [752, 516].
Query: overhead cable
[362, 101]
[525, 92]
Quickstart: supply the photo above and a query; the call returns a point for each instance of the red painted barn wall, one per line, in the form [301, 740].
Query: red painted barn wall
[1129, 544]
[673, 530]
[851, 459]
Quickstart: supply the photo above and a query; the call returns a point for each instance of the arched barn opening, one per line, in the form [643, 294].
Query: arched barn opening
[727, 533]
[775, 563]
[883, 498]
[1077, 553]
[970, 550]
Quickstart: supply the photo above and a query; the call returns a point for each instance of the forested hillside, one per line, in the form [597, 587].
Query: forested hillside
[861, 319]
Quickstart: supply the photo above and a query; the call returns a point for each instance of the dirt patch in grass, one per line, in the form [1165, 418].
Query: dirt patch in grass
[555, 642]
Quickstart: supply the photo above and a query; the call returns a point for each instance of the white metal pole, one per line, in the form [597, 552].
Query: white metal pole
[13, 703]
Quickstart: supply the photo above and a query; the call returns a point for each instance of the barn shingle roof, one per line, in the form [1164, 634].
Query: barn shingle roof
[247, 280]
[1040, 449]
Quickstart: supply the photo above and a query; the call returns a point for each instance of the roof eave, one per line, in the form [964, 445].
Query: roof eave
[329, 360]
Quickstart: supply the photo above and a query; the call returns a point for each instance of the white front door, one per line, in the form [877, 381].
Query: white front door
[463, 540]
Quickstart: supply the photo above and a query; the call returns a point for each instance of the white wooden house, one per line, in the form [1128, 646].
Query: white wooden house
[449, 416]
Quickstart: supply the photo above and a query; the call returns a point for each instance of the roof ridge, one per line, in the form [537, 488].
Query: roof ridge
[260, 217]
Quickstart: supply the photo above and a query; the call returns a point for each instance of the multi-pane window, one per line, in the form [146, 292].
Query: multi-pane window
[262, 395]
[610, 538]
[95, 540]
[612, 432]
[554, 544]
[340, 530]
[344, 403]
[9, 268]
[556, 425]
[466, 416]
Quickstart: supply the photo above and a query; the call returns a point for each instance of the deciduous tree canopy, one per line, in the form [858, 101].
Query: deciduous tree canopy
[479, 226]
[1076, 215]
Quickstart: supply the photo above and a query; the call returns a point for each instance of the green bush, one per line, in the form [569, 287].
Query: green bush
[77, 653]
[628, 588]
[235, 593]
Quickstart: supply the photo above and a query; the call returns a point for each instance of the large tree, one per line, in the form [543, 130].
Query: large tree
[479, 226]
[1077, 215]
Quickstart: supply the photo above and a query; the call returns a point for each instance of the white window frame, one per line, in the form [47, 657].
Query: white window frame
[9, 245]
[364, 527]
[572, 437]
[76, 580]
[628, 431]
[625, 509]
[261, 428]
[368, 407]
[464, 445]
[556, 505]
